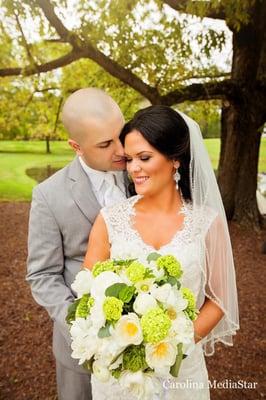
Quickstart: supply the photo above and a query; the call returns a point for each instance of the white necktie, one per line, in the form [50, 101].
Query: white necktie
[112, 193]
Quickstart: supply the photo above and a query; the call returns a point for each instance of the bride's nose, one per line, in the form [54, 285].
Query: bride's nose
[134, 167]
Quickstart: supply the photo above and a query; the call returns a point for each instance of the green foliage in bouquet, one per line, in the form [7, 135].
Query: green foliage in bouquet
[191, 309]
[134, 358]
[155, 325]
[171, 266]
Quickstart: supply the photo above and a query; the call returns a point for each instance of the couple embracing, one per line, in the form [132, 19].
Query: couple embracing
[149, 182]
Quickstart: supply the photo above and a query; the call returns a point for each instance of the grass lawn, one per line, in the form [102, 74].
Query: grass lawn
[18, 156]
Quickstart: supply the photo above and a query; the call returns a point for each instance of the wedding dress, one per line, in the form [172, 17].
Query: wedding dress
[186, 246]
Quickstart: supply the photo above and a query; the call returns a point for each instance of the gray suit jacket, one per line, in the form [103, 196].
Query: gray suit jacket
[63, 210]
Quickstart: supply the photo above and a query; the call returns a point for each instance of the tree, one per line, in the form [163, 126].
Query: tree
[150, 50]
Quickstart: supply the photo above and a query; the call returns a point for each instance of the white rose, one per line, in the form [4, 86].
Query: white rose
[82, 283]
[183, 329]
[143, 303]
[101, 371]
[102, 282]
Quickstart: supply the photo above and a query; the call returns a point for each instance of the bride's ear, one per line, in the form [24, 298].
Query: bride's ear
[176, 164]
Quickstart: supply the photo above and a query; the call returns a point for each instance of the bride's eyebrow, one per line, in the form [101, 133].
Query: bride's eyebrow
[141, 152]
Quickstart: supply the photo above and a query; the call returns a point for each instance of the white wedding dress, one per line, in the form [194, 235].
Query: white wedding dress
[126, 242]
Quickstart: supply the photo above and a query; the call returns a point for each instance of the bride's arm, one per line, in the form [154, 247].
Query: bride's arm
[98, 244]
[209, 316]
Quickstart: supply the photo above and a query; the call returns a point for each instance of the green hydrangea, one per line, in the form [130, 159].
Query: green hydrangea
[134, 358]
[171, 265]
[136, 272]
[155, 325]
[83, 309]
[112, 308]
[103, 266]
[191, 309]
[90, 303]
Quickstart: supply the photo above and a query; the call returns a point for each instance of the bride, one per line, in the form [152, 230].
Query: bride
[177, 210]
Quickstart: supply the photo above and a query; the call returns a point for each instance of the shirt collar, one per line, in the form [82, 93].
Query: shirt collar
[97, 177]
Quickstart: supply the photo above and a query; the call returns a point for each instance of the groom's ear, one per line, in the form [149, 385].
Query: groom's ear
[75, 146]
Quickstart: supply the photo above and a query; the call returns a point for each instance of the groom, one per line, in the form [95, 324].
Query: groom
[63, 210]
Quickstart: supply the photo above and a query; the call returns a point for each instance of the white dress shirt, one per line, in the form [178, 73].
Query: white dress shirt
[109, 187]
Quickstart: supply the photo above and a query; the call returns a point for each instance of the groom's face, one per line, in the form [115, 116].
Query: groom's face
[100, 146]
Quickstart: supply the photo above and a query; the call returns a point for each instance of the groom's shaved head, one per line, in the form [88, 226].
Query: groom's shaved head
[85, 108]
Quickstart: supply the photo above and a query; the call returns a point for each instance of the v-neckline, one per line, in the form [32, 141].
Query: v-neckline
[183, 210]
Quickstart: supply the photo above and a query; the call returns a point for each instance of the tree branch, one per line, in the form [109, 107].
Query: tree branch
[181, 6]
[24, 41]
[49, 66]
[200, 91]
[87, 50]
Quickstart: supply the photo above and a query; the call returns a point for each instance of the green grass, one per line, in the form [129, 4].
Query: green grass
[17, 156]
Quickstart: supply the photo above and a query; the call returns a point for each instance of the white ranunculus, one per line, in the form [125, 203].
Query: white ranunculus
[80, 327]
[128, 330]
[100, 371]
[108, 350]
[82, 282]
[161, 356]
[142, 385]
[143, 303]
[182, 329]
[117, 362]
[97, 315]
[84, 348]
[102, 282]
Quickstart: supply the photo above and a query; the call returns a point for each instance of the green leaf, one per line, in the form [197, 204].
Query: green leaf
[153, 256]
[114, 290]
[148, 274]
[174, 370]
[71, 312]
[104, 331]
[126, 293]
[88, 364]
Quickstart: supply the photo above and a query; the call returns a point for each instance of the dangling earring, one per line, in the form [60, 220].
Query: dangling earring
[177, 178]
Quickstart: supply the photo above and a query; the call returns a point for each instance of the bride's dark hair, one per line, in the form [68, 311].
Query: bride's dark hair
[165, 130]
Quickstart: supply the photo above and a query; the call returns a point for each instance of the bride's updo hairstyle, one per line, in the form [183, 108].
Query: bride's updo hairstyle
[165, 130]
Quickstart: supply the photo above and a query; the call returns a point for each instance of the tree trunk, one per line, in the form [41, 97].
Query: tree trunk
[242, 117]
[238, 167]
[47, 140]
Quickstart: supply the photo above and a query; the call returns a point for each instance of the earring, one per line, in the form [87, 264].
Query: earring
[177, 178]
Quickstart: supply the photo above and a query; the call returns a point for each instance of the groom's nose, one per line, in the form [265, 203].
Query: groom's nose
[119, 149]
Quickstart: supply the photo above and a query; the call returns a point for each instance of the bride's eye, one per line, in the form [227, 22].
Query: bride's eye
[128, 159]
[145, 158]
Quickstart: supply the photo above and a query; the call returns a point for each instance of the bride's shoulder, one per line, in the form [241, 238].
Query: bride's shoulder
[121, 207]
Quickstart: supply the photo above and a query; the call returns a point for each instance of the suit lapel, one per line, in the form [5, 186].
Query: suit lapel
[82, 191]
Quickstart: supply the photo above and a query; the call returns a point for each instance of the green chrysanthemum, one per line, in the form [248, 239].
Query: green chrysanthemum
[103, 266]
[134, 358]
[136, 272]
[112, 308]
[155, 325]
[83, 308]
[191, 309]
[171, 265]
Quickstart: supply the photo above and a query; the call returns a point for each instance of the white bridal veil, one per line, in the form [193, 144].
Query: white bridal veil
[218, 269]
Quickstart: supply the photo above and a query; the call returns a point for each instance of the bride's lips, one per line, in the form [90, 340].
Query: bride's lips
[140, 180]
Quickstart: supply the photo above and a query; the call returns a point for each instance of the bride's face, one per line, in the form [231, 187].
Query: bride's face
[150, 170]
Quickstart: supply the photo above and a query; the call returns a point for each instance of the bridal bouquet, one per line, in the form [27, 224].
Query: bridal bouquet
[132, 321]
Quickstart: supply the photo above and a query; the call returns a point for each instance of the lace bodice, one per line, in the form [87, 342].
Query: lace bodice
[185, 245]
